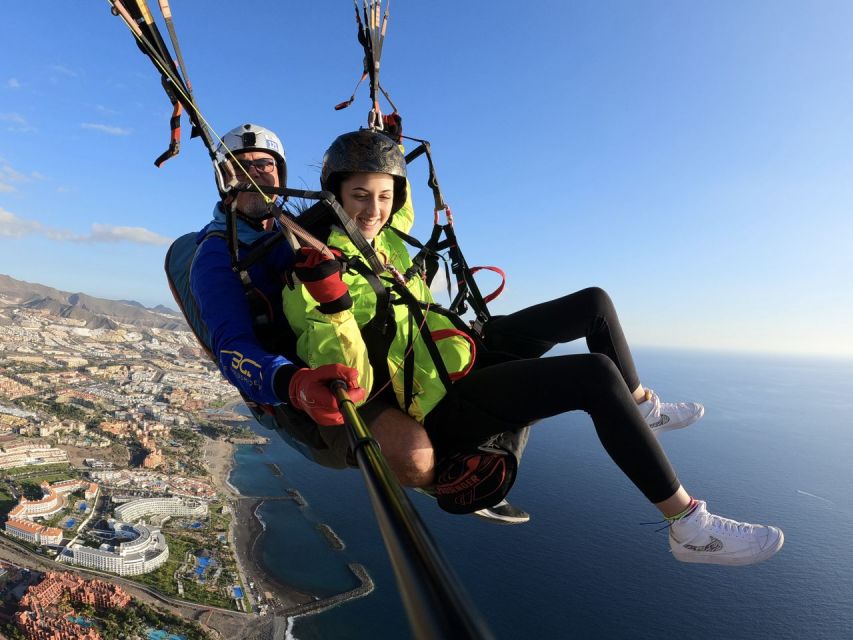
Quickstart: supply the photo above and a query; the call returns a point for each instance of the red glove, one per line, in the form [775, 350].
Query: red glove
[309, 391]
[393, 126]
[321, 275]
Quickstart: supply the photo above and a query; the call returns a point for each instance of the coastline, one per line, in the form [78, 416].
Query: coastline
[246, 535]
[248, 538]
[246, 530]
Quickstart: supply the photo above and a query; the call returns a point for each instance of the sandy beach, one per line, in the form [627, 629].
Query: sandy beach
[246, 530]
[219, 458]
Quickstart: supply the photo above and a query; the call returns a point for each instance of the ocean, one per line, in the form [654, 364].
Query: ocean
[775, 447]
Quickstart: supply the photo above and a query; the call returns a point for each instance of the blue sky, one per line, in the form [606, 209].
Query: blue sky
[694, 159]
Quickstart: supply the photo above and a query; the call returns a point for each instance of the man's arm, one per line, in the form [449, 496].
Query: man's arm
[224, 309]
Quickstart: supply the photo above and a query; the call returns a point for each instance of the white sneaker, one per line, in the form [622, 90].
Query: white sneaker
[504, 513]
[667, 416]
[704, 537]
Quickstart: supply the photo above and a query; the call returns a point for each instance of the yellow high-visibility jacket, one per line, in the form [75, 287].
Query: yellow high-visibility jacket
[336, 337]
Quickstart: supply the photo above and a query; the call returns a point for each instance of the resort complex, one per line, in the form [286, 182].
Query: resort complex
[19, 523]
[179, 507]
[30, 455]
[130, 550]
[41, 616]
[53, 500]
[35, 533]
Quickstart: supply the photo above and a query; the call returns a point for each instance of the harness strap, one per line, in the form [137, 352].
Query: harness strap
[142, 15]
[414, 306]
[379, 332]
[467, 291]
[166, 10]
[409, 367]
[425, 262]
[175, 127]
[354, 234]
[432, 180]
[494, 294]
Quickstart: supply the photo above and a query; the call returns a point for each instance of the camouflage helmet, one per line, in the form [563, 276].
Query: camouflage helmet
[364, 151]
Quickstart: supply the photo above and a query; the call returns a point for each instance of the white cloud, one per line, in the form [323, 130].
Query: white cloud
[12, 83]
[8, 176]
[63, 70]
[138, 235]
[18, 123]
[14, 118]
[105, 128]
[12, 226]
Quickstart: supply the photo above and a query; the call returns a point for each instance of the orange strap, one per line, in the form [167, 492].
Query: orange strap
[494, 294]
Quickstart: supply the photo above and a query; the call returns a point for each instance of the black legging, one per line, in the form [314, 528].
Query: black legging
[589, 314]
[506, 396]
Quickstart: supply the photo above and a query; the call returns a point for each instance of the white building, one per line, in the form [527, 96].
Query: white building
[145, 552]
[180, 507]
[54, 499]
[31, 532]
[30, 454]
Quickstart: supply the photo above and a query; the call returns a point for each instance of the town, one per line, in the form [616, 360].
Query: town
[103, 483]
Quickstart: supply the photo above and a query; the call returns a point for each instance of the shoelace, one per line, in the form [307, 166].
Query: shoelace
[664, 522]
[694, 504]
[725, 525]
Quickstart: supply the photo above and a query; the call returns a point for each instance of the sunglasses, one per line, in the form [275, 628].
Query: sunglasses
[263, 165]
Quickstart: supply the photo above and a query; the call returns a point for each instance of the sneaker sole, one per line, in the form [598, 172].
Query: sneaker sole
[494, 519]
[670, 426]
[708, 558]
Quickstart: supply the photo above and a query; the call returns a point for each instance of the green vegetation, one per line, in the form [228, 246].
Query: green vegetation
[242, 432]
[130, 621]
[7, 500]
[13, 632]
[218, 521]
[163, 579]
[199, 593]
[158, 619]
[36, 474]
[186, 436]
[61, 410]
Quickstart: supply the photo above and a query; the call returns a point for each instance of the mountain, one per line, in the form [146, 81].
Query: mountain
[96, 312]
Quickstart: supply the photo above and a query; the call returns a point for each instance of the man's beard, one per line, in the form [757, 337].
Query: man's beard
[252, 205]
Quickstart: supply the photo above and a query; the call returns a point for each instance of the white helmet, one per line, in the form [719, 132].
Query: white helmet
[251, 137]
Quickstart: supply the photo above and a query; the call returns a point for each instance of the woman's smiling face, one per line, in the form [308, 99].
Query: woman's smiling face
[367, 199]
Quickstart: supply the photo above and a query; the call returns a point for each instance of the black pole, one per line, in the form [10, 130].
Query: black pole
[435, 602]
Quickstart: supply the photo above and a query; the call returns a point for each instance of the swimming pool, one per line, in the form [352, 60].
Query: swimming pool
[83, 622]
[159, 634]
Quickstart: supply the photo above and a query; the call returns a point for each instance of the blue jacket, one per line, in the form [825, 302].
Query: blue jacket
[223, 306]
